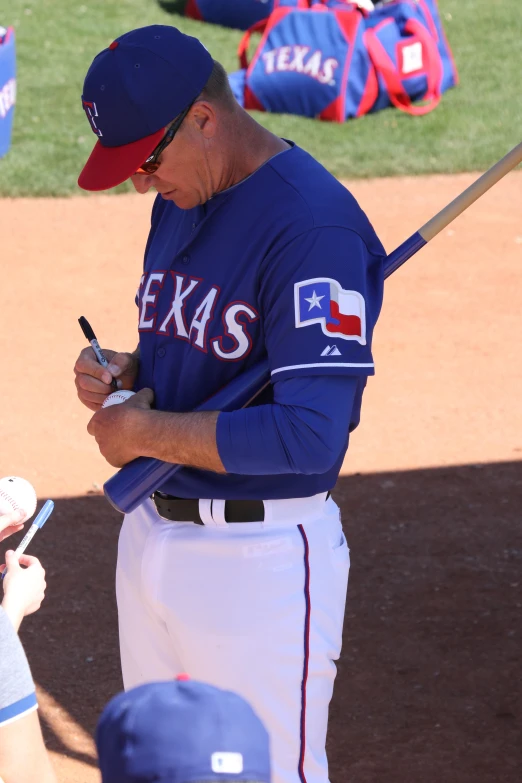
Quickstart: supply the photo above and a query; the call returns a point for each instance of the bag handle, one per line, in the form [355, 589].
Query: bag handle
[242, 49]
[435, 67]
[259, 27]
[386, 68]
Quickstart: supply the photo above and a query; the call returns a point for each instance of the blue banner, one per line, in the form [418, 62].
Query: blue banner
[7, 88]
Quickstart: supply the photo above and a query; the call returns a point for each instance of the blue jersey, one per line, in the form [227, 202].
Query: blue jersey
[283, 265]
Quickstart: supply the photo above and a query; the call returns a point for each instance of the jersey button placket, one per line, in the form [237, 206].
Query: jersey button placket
[161, 352]
[185, 260]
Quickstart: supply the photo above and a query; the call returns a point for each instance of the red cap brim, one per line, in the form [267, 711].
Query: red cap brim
[110, 166]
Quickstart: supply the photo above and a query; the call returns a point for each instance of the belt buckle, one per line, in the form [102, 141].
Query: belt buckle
[160, 498]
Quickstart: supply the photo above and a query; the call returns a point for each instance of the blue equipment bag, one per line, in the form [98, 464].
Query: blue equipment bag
[312, 62]
[410, 54]
[7, 88]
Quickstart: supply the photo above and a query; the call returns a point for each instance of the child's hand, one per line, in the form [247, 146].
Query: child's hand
[11, 523]
[24, 588]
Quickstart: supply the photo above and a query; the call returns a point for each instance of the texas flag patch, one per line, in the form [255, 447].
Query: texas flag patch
[323, 301]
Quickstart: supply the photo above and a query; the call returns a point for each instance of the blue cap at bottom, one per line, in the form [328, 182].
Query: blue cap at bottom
[181, 732]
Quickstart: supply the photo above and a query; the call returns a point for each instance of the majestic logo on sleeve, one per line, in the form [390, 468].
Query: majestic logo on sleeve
[323, 301]
[92, 114]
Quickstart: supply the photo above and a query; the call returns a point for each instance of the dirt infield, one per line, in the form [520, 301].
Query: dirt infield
[429, 679]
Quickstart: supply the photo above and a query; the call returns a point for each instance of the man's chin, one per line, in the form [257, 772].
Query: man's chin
[179, 199]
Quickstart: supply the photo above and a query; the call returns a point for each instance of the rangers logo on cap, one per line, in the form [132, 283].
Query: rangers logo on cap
[92, 113]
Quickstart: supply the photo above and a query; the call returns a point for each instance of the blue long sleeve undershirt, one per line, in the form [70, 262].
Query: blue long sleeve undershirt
[303, 431]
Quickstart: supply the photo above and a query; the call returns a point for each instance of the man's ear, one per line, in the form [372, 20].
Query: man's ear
[205, 118]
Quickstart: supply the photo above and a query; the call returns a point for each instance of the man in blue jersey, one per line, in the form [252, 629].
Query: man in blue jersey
[235, 570]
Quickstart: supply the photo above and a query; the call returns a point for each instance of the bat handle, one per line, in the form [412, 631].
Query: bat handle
[401, 254]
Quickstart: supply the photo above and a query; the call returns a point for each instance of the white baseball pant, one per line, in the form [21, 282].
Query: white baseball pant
[253, 607]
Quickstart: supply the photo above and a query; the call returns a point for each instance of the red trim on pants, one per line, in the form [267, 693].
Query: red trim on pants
[302, 776]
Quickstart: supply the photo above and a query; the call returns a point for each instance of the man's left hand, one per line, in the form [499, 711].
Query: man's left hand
[116, 428]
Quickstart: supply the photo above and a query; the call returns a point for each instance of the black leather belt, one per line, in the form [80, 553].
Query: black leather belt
[187, 510]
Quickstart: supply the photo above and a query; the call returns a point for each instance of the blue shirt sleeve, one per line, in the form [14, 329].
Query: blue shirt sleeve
[321, 295]
[17, 693]
[305, 430]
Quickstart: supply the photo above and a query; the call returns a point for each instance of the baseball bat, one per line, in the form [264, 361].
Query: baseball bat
[137, 480]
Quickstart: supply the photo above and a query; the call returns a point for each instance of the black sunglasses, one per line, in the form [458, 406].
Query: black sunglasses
[151, 164]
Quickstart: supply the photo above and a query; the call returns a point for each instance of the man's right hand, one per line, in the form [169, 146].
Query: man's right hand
[93, 382]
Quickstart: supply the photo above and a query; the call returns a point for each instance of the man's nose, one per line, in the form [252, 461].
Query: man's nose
[142, 182]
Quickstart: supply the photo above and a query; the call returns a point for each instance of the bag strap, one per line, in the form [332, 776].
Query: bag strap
[242, 49]
[363, 6]
[260, 27]
[386, 68]
[435, 67]
[192, 10]
[294, 4]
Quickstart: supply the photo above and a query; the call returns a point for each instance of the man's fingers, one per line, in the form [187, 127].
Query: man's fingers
[93, 399]
[142, 399]
[94, 407]
[87, 364]
[86, 383]
[121, 363]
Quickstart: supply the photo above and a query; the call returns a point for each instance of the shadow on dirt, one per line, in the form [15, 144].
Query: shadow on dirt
[429, 679]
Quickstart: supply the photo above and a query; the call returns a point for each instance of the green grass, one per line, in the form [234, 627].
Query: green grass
[475, 124]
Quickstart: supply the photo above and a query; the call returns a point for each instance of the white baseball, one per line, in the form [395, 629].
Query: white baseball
[117, 397]
[17, 494]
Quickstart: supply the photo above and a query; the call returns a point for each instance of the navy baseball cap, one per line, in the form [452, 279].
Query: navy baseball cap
[181, 732]
[132, 91]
